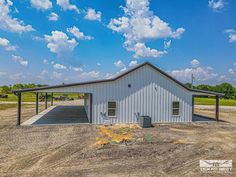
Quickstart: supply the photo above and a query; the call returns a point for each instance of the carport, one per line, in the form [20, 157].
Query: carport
[61, 114]
[55, 114]
[200, 93]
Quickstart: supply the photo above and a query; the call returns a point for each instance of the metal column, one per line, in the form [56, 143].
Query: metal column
[37, 103]
[19, 109]
[46, 100]
[217, 108]
[193, 105]
[51, 99]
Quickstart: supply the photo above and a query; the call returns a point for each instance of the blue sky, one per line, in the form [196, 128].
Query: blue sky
[64, 41]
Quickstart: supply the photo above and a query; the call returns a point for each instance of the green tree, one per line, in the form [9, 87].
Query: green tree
[6, 89]
[227, 89]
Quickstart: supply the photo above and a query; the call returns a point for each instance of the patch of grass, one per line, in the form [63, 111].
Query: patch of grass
[30, 97]
[149, 138]
[26, 97]
[212, 101]
[7, 106]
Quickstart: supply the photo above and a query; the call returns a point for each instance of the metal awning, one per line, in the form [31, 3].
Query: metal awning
[198, 92]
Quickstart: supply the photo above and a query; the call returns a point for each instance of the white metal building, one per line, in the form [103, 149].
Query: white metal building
[144, 90]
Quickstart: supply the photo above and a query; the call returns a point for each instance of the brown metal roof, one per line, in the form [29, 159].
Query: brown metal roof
[117, 77]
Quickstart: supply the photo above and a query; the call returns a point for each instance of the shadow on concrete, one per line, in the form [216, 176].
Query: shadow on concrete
[200, 118]
[64, 115]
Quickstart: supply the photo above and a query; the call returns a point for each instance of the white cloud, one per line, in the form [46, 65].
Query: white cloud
[91, 74]
[17, 76]
[43, 74]
[45, 61]
[78, 34]
[141, 50]
[2, 73]
[20, 60]
[56, 75]
[222, 78]
[77, 69]
[66, 5]
[59, 43]
[109, 75]
[53, 17]
[232, 35]
[167, 44]
[230, 30]
[195, 63]
[59, 66]
[216, 5]
[93, 15]
[133, 63]
[231, 71]
[232, 38]
[8, 23]
[201, 74]
[123, 69]
[6, 45]
[119, 64]
[177, 34]
[41, 4]
[139, 24]
[99, 64]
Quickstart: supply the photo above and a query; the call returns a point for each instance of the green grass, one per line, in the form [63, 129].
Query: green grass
[26, 97]
[30, 97]
[212, 101]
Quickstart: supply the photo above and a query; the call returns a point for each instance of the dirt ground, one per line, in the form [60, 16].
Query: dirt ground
[69, 150]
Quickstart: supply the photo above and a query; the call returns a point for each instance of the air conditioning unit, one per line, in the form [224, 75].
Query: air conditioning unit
[145, 121]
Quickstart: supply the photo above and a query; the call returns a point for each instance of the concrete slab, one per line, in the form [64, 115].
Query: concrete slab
[59, 115]
[199, 118]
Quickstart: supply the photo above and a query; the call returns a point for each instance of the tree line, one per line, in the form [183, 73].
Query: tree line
[7, 89]
[226, 88]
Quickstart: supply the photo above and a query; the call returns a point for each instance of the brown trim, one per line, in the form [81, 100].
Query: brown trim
[217, 108]
[46, 100]
[193, 105]
[91, 108]
[37, 103]
[117, 77]
[19, 109]
[52, 99]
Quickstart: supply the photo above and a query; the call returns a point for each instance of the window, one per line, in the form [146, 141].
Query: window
[111, 109]
[175, 108]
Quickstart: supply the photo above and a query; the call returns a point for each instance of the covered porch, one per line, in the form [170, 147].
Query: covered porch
[61, 114]
[76, 111]
[196, 117]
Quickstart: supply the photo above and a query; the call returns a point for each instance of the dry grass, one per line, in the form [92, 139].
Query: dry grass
[116, 134]
[228, 115]
[8, 114]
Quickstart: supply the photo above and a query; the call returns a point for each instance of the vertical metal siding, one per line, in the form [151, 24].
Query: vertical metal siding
[151, 94]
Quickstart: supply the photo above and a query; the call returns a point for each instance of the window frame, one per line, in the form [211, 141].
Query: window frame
[172, 109]
[111, 109]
